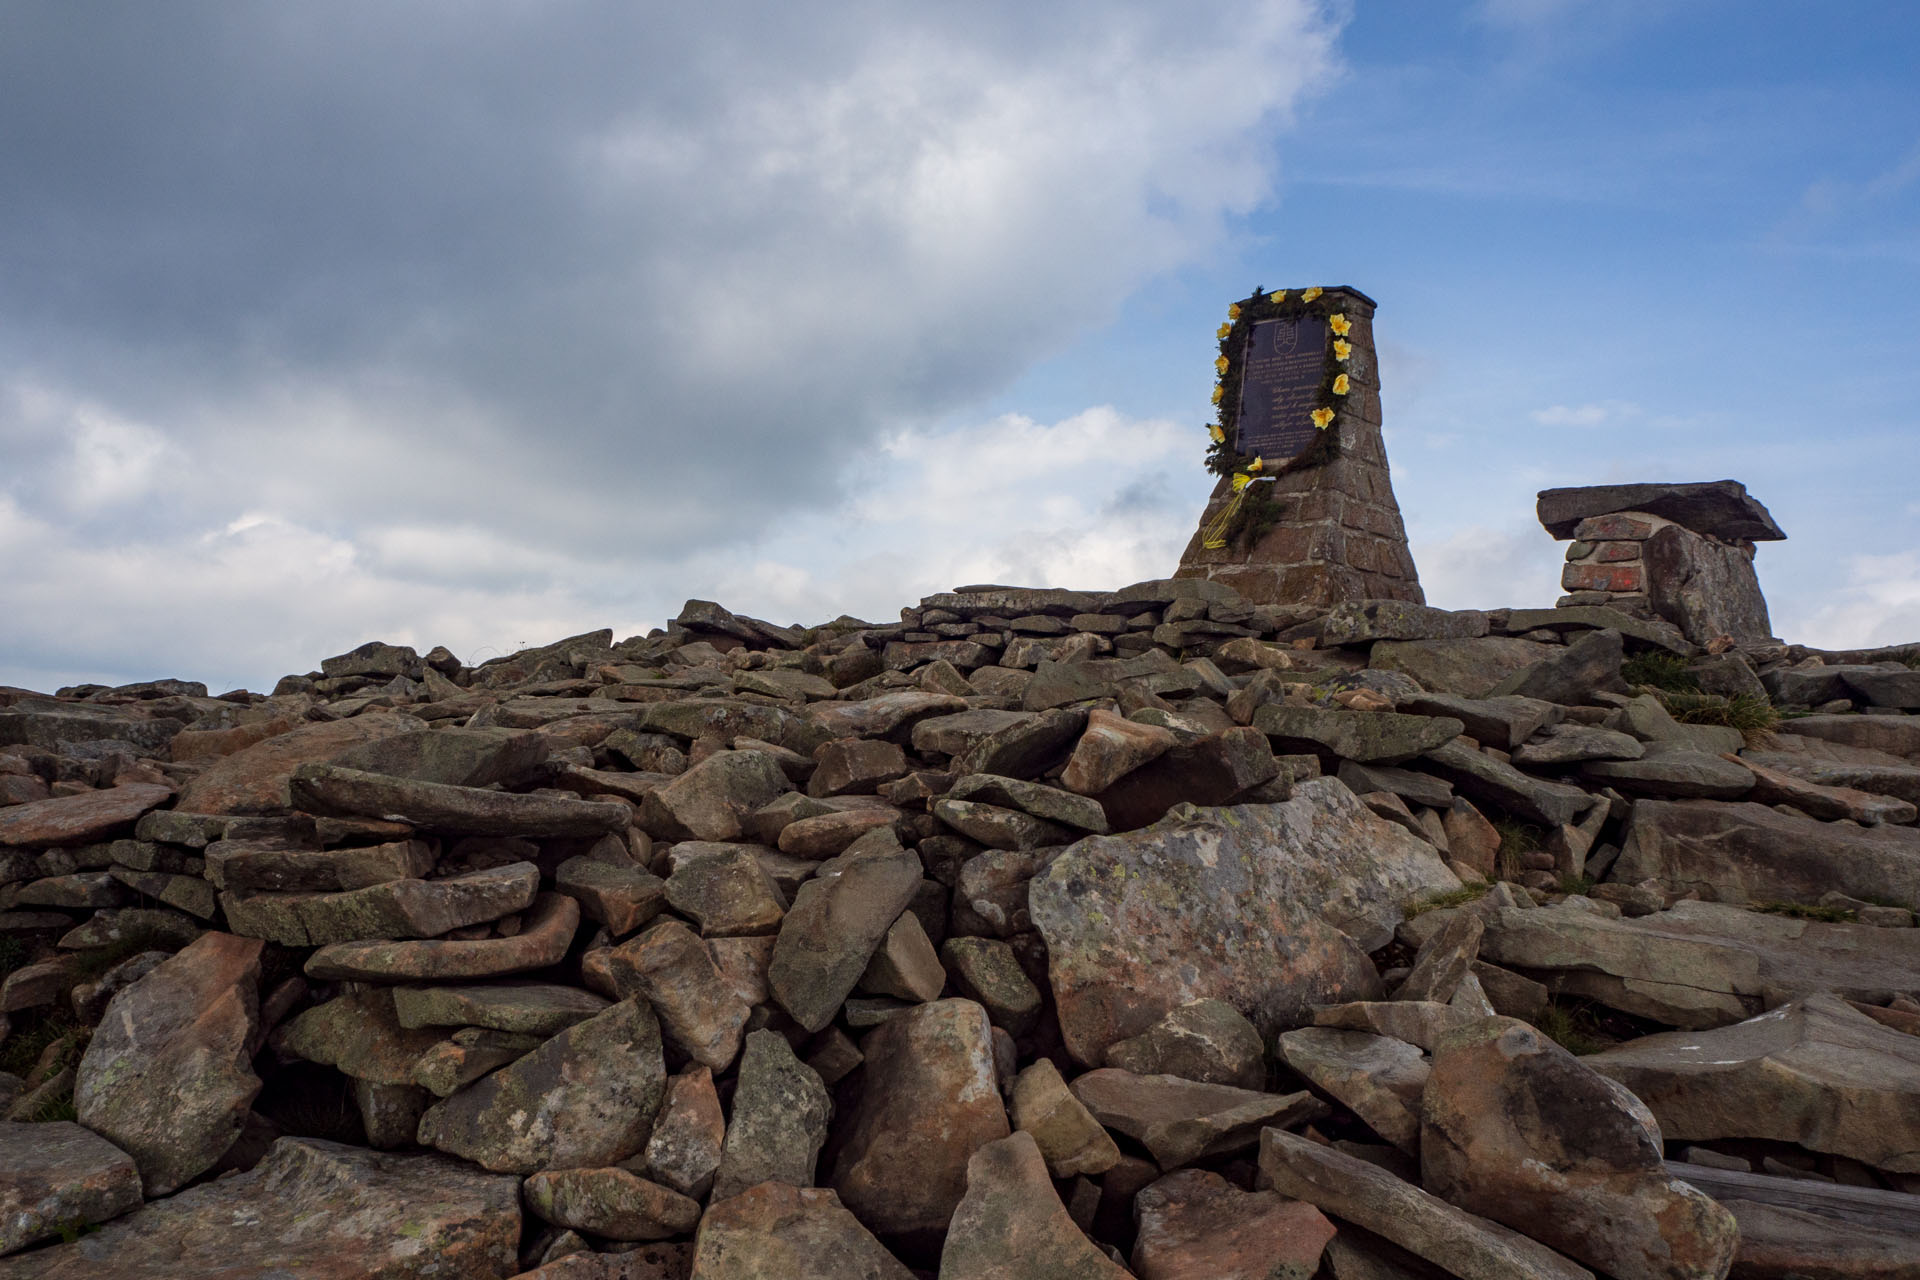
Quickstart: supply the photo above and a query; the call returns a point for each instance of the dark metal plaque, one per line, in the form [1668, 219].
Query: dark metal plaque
[1280, 375]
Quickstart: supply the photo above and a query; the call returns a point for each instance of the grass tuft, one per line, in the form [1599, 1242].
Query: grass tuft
[1755, 718]
[1660, 671]
[33, 1031]
[1517, 839]
[1569, 1029]
[1572, 884]
[1449, 898]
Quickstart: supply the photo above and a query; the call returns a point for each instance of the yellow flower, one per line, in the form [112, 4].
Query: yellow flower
[1218, 391]
[1322, 418]
[1241, 481]
[1278, 295]
[1342, 348]
[1308, 295]
[1339, 323]
[1233, 312]
[1223, 331]
[1255, 465]
[1219, 436]
[1221, 364]
[1341, 386]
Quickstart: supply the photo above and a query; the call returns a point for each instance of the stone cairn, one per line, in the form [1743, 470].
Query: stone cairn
[1040, 934]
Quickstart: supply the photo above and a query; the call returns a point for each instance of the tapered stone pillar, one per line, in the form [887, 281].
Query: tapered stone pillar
[1337, 533]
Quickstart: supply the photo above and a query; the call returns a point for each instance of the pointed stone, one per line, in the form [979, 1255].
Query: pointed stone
[676, 971]
[836, 923]
[1376, 1078]
[780, 1111]
[684, 1149]
[1071, 1141]
[1180, 1121]
[168, 1076]
[1012, 1226]
[1111, 748]
[1443, 960]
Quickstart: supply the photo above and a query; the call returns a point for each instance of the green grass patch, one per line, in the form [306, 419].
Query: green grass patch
[1805, 911]
[95, 963]
[1661, 671]
[1572, 1029]
[1755, 718]
[33, 1031]
[1517, 839]
[58, 1107]
[1450, 898]
[1572, 884]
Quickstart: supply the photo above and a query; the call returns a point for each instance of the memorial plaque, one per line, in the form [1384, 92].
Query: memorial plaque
[1280, 375]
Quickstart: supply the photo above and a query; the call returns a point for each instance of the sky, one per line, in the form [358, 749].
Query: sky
[483, 324]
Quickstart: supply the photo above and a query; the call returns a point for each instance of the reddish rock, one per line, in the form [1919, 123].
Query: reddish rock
[168, 1076]
[78, 819]
[542, 941]
[256, 779]
[1012, 1226]
[930, 1101]
[1197, 1226]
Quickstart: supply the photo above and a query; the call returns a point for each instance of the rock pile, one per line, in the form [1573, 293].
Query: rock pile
[1043, 933]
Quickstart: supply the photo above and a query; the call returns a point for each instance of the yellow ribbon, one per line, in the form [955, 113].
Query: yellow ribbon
[1214, 536]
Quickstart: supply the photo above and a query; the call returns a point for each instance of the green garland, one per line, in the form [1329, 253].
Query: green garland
[1222, 460]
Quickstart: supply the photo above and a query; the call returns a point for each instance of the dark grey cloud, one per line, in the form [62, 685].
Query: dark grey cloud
[571, 285]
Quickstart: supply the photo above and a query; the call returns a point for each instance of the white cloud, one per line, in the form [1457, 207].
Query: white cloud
[1591, 414]
[1479, 567]
[1879, 604]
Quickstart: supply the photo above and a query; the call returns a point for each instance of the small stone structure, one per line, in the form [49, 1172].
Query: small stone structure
[1338, 535]
[1682, 552]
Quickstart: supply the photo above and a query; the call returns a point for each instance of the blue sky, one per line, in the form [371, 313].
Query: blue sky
[488, 330]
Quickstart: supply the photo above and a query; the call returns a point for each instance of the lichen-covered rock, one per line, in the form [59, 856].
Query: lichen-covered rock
[77, 819]
[1271, 908]
[58, 1176]
[836, 923]
[584, 1098]
[1204, 1040]
[168, 1076]
[318, 1210]
[779, 1123]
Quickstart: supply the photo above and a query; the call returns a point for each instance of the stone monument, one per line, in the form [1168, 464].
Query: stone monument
[1682, 552]
[1304, 513]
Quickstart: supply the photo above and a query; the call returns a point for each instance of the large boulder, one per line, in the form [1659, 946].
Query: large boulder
[1815, 1072]
[1720, 508]
[1271, 908]
[1755, 853]
[929, 1102]
[1514, 1127]
[318, 1210]
[168, 1075]
[1704, 587]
